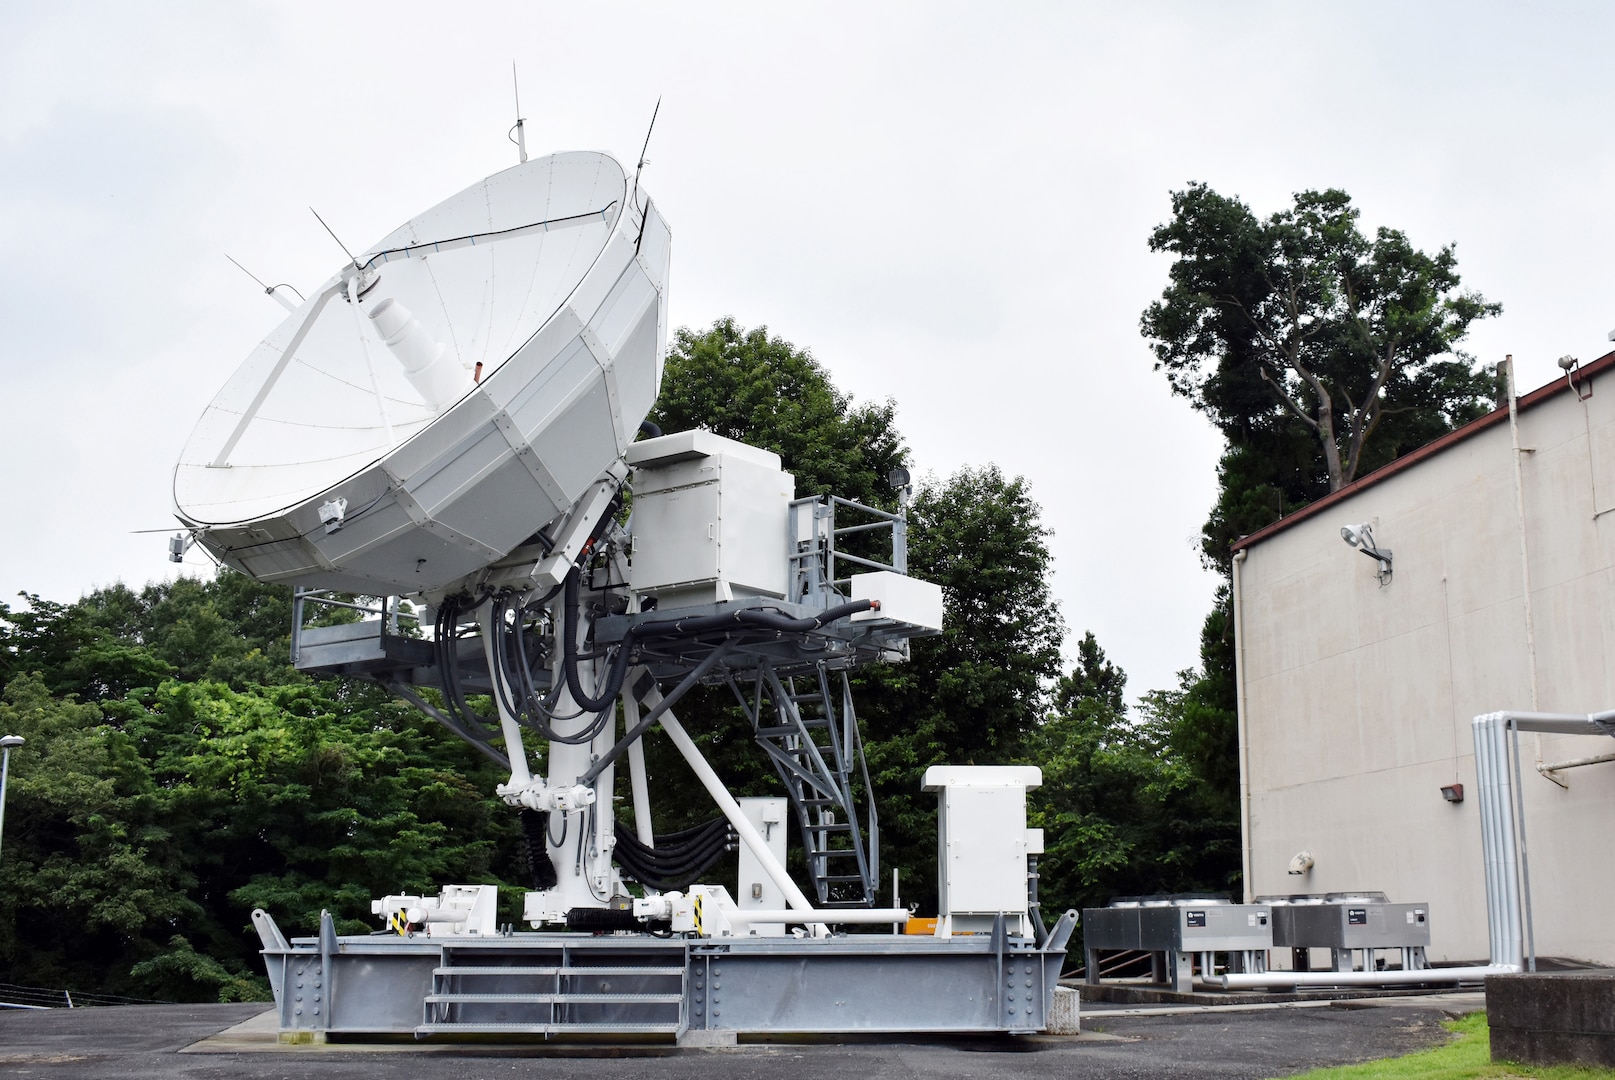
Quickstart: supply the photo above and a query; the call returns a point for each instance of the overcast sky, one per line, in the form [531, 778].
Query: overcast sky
[947, 204]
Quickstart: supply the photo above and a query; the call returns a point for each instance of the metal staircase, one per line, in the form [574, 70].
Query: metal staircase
[594, 986]
[814, 742]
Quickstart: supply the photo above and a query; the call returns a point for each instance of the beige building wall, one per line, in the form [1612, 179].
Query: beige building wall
[1358, 697]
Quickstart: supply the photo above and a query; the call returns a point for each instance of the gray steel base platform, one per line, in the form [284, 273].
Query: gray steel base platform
[550, 984]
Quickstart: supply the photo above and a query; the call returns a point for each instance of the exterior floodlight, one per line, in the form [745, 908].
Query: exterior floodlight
[1453, 793]
[1361, 537]
[898, 477]
[1567, 362]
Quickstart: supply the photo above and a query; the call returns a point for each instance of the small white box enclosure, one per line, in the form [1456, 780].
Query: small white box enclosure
[710, 519]
[757, 890]
[982, 844]
[902, 599]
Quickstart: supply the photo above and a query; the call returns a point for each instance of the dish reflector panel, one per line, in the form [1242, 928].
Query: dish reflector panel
[461, 385]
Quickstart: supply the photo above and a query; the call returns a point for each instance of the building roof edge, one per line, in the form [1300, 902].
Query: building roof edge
[1428, 450]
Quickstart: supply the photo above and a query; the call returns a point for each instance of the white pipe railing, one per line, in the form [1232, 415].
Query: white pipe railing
[870, 916]
[1299, 979]
[1508, 899]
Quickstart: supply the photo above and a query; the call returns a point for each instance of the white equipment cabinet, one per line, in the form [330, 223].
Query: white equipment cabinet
[710, 519]
[982, 845]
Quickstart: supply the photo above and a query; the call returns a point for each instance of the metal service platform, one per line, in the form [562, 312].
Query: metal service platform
[557, 984]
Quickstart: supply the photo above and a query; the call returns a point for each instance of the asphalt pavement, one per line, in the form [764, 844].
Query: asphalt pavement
[1185, 1042]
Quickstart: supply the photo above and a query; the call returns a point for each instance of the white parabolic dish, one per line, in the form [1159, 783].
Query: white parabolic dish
[550, 276]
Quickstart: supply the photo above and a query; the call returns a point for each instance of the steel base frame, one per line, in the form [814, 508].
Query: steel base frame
[558, 984]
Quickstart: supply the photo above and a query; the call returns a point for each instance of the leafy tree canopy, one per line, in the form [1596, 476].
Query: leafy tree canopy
[1301, 325]
[757, 388]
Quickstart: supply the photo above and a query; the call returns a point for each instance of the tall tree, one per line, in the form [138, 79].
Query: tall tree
[977, 692]
[1320, 354]
[1124, 807]
[1302, 316]
[758, 388]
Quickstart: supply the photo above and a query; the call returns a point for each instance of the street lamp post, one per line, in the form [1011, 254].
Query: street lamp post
[6, 744]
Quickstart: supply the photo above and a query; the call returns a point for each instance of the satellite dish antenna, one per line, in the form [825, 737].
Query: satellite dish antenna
[462, 384]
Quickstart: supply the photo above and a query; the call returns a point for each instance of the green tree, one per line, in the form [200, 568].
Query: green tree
[970, 695]
[92, 869]
[974, 694]
[150, 813]
[1303, 317]
[757, 388]
[1124, 807]
[1320, 354]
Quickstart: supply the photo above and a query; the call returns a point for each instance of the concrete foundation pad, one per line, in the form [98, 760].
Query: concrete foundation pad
[1553, 1018]
[1065, 1012]
[708, 1039]
[1144, 994]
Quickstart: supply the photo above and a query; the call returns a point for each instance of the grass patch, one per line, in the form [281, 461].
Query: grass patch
[1467, 1057]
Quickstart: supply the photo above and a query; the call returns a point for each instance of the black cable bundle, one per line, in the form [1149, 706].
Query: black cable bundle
[678, 858]
[540, 871]
[445, 633]
[600, 920]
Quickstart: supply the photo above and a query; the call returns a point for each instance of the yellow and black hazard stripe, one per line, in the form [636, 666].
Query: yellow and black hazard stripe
[695, 905]
[398, 922]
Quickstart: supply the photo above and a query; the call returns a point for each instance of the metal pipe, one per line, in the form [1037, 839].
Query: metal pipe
[1296, 979]
[1525, 555]
[1501, 857]
[731, 809]
[1239, 711]
[826, 915]
[638, 781]
[641, 724]
[1575, 762]
[1517, 818]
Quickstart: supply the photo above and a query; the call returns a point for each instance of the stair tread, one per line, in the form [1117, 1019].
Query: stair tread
[555, 969]
[555, 999]
[542, 1029]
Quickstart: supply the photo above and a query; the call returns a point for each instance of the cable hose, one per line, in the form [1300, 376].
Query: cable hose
[679, 627]
[666, 839]
[541, 873]
[569, 656]
[672, 878]
[516, 688]
[697, 863]
[673, 859]
[668, 863]
[673, 841]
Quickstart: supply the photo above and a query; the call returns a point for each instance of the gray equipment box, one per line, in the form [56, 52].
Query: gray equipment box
[1112, 928]
[1346, 922]
[1351, 924]
[1205, 926]
[1178, 930]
